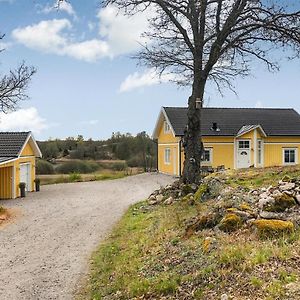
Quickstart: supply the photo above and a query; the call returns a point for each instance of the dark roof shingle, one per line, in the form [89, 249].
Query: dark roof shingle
[11, 143]
[274, 121]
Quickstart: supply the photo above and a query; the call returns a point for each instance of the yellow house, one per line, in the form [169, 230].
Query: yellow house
[18, 151]
[233, 137]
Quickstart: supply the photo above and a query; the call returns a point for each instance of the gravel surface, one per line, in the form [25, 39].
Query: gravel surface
[44, 253]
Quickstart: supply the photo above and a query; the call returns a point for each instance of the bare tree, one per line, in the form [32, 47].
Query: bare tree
[13, 86]
[212, 40]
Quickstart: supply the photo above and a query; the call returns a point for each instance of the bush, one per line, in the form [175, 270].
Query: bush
[83, 167]
[136, 161]
[75, 177]
[43, 167]
[119, 166]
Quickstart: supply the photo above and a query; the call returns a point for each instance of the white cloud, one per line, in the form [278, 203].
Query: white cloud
[123, 33]
[49, 37]
[45, 36]
[118, 34]
[148, 78]
[23, 120]
[63, 6]
[89, 51]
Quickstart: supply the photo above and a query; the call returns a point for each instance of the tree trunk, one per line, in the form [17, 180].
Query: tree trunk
[192, 143]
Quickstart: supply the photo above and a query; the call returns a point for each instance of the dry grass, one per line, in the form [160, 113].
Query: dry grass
[147, 256]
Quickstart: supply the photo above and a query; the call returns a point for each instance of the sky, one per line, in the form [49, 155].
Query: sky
[88, 84]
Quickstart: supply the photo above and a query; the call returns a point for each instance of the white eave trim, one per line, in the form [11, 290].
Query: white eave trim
[158, 122]
[36, 149]
[8, 161]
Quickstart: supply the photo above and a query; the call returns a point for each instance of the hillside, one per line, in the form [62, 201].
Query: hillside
[236, 236]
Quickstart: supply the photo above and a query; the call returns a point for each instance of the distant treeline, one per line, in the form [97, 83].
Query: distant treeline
[137, 151]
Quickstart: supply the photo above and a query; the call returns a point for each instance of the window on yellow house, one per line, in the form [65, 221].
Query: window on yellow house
[207, 156]
[290, 156]
[167, 156]
[167, 127]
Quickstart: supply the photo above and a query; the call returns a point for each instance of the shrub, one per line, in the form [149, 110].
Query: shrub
[119, 166]
[136, 161]
[83, 167]
[74, 177]
[43, 167]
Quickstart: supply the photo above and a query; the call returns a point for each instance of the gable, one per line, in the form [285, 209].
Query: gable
[27, 150]
[159, 127]
[275, 122]
[15, 144]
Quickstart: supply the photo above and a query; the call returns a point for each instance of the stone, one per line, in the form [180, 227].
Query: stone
[273, 227]
[169, 201]
[152, 202]
[263, 202]
[159, 198]
[298, 198]
[243, 214]
[209, 244]
[230, 222]
[152, 198]
[224, 297]
[276, 193]
[264, 195]
[287, 186]
[271, 215]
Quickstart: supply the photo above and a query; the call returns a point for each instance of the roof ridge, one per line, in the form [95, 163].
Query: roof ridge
[256, 108]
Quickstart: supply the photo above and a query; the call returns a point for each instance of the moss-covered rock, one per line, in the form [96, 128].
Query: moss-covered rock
[186, 189]
[203, 188]
[281, 203]
[273, 227]
[204, 221]
[208, 244]
[286, 178]
[230, 222]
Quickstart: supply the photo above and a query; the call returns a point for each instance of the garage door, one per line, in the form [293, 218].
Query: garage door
[25, 175]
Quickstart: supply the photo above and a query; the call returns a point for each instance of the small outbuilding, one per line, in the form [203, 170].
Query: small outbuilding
[18, 153]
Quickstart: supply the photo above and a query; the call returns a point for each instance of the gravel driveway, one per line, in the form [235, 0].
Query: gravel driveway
[45, 252]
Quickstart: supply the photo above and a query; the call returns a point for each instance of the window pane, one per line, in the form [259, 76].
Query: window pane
[292, 156]
[286, 156]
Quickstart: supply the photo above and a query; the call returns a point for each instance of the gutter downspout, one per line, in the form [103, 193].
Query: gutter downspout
[156, 142]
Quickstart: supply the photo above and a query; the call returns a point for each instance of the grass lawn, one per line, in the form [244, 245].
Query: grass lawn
[76, 177]
[147, 256]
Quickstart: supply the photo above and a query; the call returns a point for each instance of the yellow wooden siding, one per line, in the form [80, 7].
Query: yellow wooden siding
[223, 150]
[6, 182]
[273, 149]
[27, 151]
[171, 168]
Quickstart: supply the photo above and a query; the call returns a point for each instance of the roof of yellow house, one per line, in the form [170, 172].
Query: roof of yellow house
[229, 121]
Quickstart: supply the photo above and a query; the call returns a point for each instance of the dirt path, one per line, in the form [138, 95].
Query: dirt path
[45, 252]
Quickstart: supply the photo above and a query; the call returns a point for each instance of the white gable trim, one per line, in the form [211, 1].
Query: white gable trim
[30, 139]
[161, 117]
[251, 129]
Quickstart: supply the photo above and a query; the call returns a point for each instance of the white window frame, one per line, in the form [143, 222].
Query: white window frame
[167, 127]
[210, 150]
[167, 157]
[296, 156]
[260, 158]
[243, 141]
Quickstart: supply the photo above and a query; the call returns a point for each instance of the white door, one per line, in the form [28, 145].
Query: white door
[243, 154]
[25, 175]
